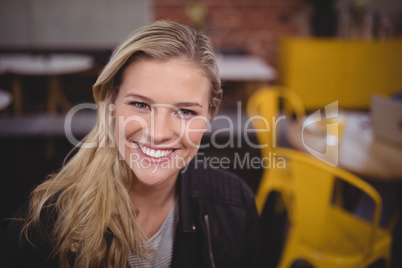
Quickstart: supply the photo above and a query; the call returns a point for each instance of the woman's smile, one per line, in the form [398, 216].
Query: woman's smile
[155, 153]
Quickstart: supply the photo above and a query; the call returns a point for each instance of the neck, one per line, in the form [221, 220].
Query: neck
[151, 197]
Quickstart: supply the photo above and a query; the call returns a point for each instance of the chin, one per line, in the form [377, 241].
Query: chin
[154, 174]
[155, 171]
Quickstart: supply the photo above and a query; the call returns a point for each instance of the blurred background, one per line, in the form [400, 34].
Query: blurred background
[323, 51]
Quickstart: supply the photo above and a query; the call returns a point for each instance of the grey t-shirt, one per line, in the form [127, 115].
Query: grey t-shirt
[160, 244]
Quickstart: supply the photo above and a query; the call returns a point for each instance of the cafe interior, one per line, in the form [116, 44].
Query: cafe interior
[311, 116]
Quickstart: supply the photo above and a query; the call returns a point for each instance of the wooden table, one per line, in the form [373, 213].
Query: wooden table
[50, 65]
[244, 68]
[251, 71]
[359, 152]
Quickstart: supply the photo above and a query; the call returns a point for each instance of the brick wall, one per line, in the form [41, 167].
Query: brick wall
[253, 26]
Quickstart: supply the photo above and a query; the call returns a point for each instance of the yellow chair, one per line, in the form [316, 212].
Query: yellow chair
[322, 70]
[320, 232]
[263, 108]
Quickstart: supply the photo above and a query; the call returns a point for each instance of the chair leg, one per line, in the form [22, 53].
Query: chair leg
[56, 97]
[285, 262]
[17, 95]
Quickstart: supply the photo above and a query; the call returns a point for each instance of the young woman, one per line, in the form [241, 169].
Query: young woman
[130, 195]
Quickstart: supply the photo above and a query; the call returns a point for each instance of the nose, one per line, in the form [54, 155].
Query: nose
[162, 127]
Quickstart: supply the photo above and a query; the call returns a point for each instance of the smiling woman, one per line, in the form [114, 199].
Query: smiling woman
[137, 198]
[168, 95]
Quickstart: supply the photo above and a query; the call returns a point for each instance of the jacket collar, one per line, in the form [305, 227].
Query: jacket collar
[186, 210]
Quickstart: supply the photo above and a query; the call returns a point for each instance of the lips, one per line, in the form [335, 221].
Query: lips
[155, 153]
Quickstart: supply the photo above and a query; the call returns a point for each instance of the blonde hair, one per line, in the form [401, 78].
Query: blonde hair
[89, 197]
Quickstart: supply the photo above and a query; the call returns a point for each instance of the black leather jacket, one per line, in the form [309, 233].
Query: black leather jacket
[218, 222]
[218, 226]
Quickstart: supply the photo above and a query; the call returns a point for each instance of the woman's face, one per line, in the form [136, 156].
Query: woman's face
[161, 114]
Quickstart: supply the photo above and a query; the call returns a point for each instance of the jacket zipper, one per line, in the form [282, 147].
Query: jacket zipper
[211, 255]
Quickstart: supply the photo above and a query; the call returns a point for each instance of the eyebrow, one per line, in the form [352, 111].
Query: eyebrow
[188, 104]
[180, 104]
[139, 97]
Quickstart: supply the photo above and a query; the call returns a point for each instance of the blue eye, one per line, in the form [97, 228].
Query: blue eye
[185, 112]
[140, 105]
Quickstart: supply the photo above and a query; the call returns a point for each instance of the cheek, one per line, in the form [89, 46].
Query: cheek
[129, 126]
[195, 131]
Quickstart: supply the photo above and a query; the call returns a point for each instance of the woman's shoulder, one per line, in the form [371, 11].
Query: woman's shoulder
[217, 184]
[22, 215]
[15, 224]
[19, 250]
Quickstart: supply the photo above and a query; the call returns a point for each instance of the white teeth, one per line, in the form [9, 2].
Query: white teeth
[154, 153]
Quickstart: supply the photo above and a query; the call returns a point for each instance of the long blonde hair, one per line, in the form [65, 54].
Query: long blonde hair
[88, 199]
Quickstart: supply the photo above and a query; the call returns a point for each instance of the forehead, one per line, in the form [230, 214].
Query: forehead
[175, 77]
